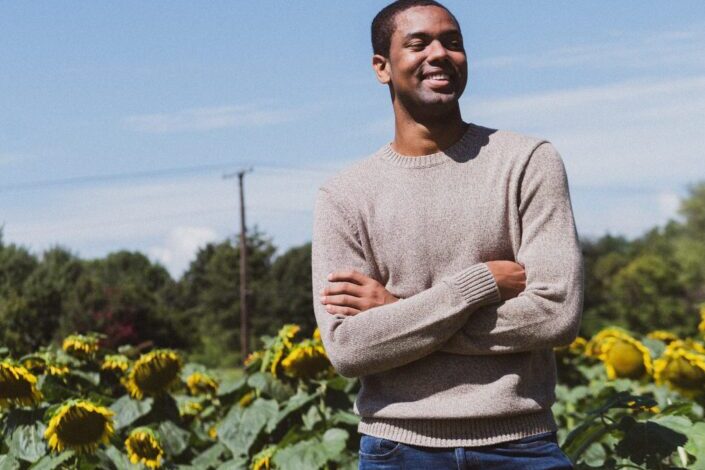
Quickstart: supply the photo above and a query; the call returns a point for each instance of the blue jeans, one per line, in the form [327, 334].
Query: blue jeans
[539, 452]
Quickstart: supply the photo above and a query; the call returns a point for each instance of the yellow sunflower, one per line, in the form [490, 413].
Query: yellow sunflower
[201, 384]
[79, 425]
[317, 334]
[189, 410]
[253, 357]
[275, 352]
[143, 446]
[576, 347]
[116, 363]
[262, 459]
[662, 335]
[682, 367]
[18, 386]
[287, 333]
[213, 432]
[305, 360]
[246, 399]
[44, 364]
[81, 346]
[594, 346]
[153, 373]
[625, 357]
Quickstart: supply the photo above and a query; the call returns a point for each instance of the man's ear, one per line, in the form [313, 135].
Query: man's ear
[381, 66]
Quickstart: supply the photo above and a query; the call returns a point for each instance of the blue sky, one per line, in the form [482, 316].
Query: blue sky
[118, 120]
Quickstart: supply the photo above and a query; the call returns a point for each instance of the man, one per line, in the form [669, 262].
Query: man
[446, 268]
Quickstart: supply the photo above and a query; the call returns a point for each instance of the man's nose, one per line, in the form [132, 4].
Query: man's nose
[437, 51]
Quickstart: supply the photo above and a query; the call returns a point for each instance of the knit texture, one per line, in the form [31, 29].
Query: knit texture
[451, 363]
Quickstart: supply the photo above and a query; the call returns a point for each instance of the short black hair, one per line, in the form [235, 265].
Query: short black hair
[383, 24]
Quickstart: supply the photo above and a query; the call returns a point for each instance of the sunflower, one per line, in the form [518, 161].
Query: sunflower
[39, 364]
[143, 446]
[213, 432]
[189, 410]
[153, 373]
[594, 346]
[252, 358]
[662, 335]
[305, 360]
[317, 334]
[201, 384]
[626, 357]
[275, 352]
[246, 399]
[116, 363]
[18, 386]
[79, 425]
[262, 459]
[682, 366]
[576, 347]
[81, 346]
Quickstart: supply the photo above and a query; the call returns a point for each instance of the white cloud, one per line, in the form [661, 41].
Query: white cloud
[180, 246]
[626, 51]
[205, 119]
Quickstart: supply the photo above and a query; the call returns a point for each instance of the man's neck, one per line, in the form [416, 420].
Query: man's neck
[413, 137]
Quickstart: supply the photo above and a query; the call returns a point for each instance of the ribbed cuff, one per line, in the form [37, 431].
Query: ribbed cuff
[476, 285]
[458, 432]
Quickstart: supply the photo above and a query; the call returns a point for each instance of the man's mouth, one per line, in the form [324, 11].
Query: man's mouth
[437, 79]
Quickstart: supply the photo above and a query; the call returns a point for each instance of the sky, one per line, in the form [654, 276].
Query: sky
[118, 120]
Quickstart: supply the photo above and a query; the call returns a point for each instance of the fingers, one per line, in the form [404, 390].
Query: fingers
[342, 300]
[342, 288]
[348, 275]
[347, 311]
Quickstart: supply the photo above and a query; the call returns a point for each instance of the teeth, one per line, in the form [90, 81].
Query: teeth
[438, 76]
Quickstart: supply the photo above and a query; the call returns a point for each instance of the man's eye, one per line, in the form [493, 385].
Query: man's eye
[417, 46]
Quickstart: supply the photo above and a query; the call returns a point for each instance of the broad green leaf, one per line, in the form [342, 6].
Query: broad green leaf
[311, 418]
[240, 428]
[27, 442]
[270, 386]
[93, 378]
[679, 424]
[294, 403]
[174, 439]
[231, 386]
[647, 442]
[238, 463]
[8, 462]
[120, 460]
[52, 461]
[594, 455]
[696, 443]
[127, 410]
[210, 457]
[313, 453]
[344, 417]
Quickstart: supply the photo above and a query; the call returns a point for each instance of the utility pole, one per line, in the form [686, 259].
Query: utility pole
[244, 318]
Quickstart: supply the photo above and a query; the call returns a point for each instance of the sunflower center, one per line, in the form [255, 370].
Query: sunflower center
[81, 426]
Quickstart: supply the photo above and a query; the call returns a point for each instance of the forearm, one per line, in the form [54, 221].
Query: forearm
[392, 335]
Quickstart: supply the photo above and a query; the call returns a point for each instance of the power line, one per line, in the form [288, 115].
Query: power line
[176, 171]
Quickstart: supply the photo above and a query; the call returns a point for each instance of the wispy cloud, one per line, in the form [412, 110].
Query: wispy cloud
[668, 48]
[206, 119]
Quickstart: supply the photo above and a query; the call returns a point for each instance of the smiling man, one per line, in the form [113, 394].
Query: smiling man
[446, 268]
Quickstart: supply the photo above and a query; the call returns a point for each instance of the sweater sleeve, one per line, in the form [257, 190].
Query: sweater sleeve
[547, 313]
[390, 335]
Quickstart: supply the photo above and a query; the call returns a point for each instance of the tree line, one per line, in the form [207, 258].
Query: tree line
[655, 281]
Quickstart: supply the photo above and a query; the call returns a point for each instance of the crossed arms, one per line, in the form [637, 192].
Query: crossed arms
[370, 331]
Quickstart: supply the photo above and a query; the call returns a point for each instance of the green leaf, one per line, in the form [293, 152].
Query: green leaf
[312, 453]
[647, 442]
[120, 460]
[52, 461]
[345, 417]
[680, 424]
[240, 428]
[696, 442]
[238, 463]
[231, 386]
[271, 386]
[93, 378]
[127, 410]
[311, 418]
[582, 437]
[27, 442]
[210, 457]
[8, 462]
[174, 439]
[295, 403]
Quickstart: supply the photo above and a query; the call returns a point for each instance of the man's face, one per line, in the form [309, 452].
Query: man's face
[427, 64]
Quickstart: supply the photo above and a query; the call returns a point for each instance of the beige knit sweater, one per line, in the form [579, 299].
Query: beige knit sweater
[451, 364]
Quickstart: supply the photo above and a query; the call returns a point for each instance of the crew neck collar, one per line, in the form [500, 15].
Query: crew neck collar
[391, 156]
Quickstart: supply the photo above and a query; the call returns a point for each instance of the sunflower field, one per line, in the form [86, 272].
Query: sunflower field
[623, 401]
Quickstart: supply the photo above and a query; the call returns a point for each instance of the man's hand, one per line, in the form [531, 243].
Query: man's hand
[509, 276]
[351, 293]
